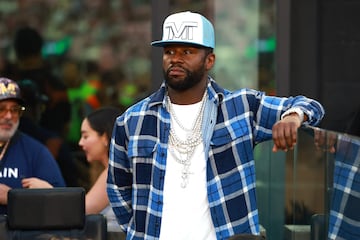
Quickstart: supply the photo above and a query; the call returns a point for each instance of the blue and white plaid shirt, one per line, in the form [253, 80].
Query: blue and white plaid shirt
[233, 123]
[344, 219]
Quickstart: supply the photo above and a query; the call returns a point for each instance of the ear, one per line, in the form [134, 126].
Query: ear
[104, 140]
[210, 61]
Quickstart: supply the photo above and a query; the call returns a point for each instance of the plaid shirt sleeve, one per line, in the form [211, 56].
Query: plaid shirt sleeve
[266, 111]
[344, 222]
[244, 118]
[119, 179]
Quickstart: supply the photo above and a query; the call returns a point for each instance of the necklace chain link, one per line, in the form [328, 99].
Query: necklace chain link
[183, 150]
[4, 149]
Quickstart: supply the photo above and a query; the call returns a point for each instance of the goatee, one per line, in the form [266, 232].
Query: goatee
[191, 79]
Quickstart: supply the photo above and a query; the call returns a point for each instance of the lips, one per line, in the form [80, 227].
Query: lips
[6, 126]
[176, 71]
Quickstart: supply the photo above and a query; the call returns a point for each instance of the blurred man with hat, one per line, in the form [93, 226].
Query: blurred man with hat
[24, 162]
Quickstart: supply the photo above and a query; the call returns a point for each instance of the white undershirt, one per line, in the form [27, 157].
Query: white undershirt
[186, 213]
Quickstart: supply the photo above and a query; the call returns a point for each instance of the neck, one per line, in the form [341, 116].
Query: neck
[105, 161]
[190, 96]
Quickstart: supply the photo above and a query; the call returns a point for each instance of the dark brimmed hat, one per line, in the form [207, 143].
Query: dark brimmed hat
[9, 89]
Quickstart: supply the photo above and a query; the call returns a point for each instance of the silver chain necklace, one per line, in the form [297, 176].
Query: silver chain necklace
[183, 150]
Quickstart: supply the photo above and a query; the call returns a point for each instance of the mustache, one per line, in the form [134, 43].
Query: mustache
[6, 121]
[176, 66]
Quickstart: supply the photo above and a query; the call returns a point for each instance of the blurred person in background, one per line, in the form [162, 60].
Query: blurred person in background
[24, 161]
[73, 173]
[96, 130]
[30, 64]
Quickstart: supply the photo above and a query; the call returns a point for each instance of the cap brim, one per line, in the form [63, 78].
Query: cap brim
[165, 43]
[19, 100]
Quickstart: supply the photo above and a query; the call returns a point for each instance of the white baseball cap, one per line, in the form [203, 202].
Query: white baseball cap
[187, 28]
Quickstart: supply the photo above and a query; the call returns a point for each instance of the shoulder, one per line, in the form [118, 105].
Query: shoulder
[21, 142]
[244, 95]
[27, 140]
[144, 107]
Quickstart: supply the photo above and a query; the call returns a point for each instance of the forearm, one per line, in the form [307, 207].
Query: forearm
[313, 111]
[96, 199]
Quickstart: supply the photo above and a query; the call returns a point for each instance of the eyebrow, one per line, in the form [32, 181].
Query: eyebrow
[10, 105]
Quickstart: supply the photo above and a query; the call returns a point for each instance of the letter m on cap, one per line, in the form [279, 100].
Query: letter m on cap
[184, 32]
[10, 89]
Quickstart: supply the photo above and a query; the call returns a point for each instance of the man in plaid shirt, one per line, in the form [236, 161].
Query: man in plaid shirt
[181, 160]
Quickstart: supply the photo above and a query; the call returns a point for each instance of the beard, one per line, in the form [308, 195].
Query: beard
[191, 79]
[5, 135]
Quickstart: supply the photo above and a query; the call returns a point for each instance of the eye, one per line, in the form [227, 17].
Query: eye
[169, 52]
[187, 51]
[16, 111]
[84, 136]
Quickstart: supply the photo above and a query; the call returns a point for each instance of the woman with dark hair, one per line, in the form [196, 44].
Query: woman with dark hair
[96, 130]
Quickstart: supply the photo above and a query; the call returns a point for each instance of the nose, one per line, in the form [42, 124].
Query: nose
[80, 142]
[176, 57]
[8, 114]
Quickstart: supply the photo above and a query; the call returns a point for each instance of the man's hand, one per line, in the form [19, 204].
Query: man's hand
[4, 189]
[325, 140]
[284, 132]
[35, 183]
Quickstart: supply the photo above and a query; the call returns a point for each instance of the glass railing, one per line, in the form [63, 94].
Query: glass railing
[312, 192]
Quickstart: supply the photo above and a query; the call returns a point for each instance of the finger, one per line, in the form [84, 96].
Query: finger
[287, 137]
[278, 137]
[321, 139]
[25, 183]
[284, 138]
[274, 149]
[332, 149]
[291, 140]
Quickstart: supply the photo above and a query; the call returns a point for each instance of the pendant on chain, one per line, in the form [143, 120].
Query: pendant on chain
[186, 148]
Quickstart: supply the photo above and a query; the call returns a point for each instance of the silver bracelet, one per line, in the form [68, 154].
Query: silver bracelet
[294, 110]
